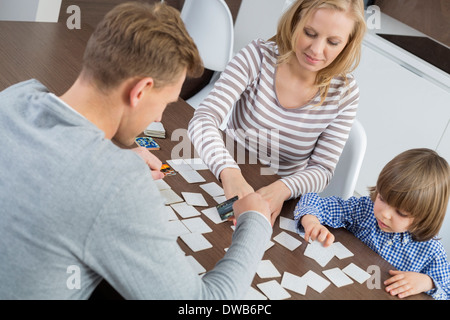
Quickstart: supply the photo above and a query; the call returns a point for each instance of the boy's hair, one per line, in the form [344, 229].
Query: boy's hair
[293, 22]
[417, 182]
[136, 39]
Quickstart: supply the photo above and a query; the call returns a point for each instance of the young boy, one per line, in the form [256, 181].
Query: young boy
[399, 221]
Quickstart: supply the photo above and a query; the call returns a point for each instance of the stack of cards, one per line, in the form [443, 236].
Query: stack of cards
[156, 130]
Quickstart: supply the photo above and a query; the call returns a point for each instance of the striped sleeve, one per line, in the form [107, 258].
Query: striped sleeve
[328, 148]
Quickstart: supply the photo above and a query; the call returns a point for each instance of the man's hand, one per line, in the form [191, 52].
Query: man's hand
[253, 202]
[152, 161]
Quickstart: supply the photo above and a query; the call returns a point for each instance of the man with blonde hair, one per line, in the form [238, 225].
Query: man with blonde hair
[85, 207]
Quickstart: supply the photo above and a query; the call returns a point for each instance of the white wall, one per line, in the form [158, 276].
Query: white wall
[30, 10]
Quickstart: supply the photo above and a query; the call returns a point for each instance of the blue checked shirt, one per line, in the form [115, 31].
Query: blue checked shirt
[399, 249]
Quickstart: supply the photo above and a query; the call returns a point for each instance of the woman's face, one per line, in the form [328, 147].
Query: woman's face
[323, 38]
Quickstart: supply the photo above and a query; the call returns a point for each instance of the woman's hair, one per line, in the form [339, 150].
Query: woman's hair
[136, 39]
[293, 22]
[417, 182]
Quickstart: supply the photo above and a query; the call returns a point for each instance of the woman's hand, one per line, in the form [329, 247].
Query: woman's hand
[314, 230]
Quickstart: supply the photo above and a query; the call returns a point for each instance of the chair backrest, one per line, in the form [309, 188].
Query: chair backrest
[210, 24]
[347, 170]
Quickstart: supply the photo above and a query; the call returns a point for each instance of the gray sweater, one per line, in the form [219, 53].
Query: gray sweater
[75, 209]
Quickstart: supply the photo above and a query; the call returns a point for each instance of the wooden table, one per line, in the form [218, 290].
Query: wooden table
[175, 119]
[52, 54]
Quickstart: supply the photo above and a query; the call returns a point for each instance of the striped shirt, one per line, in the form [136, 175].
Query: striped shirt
[303, 145]
[399, 249]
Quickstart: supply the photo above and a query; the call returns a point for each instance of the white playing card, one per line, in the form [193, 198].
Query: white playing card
[161, 184]
[179, 164]
[196, 164]
[170, 213]
[196, 265]
[213, 215]
[196, 241]
[196, 225]
[315, 281]
[194, 199]
[338, 277]
[213, 189]
[273, 290]
[318, 252]
[191, 176]
[341, 251]
[266, 269]
[355, 272]
[170, 196]
[294, 283]
[270, 244]
[185, 210]
[253, 294]
[220, 199]
[287, 241]
[288, 224]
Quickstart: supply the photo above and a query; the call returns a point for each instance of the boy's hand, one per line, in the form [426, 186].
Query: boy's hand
[316, 231]
[404, 284]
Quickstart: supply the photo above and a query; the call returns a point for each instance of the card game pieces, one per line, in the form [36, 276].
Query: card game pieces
[147, 142]
[185, 210]
[156, 130]
[213, 189]
[191, 176]
[315, 281]
[355, 272]
[196, 241]
[225, 208]
[196, 225]
[266, 269]
[167, 169]
[294, 283]
[287, 241]
[213, 215]
[194, 199]
[273, 290]
[170, 196]
[338, 277]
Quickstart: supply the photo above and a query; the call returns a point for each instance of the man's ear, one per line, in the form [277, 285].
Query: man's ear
[139, 89]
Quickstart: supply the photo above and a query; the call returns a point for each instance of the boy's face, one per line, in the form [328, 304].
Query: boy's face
[390, 219]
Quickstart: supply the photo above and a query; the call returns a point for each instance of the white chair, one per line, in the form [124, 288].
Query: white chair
[347, 170]
[210, 24]
[257, 19]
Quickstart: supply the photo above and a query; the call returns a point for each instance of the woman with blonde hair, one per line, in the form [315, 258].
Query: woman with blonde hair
[291, 100]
